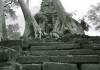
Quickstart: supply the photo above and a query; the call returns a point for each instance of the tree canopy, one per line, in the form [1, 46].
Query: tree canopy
[94, 15]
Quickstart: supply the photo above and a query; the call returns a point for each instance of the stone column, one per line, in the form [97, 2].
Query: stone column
[3, 30]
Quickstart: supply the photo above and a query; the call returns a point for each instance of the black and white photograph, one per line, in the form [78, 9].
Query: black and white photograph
[49, 34]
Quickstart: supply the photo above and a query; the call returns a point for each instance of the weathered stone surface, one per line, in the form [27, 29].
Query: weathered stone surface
[31, 59]
[59, 66]
[90, 46]
[31, 67]
[4, 55]
[75, 59]
[11, 43]
[63, 52]
[90, 67]
[9, 66]
[97, 52]
[7, 54]
[44, 43]
[18, 67]
[62, 59]
[56, 47]
[4, 66]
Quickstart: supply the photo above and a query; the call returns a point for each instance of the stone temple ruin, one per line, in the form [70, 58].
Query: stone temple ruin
[54, 14]
[71, 52]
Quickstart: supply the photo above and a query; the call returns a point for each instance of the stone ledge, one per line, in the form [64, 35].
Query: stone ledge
[56, 47]
[62, 59]
[31, 59]
[90, 46]
[75, 59]
[64, 52]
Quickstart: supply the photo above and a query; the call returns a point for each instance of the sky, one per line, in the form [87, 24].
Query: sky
[81, 7]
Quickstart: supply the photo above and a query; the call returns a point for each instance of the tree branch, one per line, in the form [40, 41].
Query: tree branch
[9, 3]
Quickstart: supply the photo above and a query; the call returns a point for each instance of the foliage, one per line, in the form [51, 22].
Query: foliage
[9, 4]
[94, 15]
[13, 31]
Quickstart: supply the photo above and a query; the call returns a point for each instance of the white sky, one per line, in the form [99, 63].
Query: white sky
[82, 6]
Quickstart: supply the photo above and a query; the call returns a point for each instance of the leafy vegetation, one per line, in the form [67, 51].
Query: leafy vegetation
[94, 15]
[13, 31]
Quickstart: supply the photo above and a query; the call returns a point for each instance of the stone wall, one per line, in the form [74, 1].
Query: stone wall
[50, 55]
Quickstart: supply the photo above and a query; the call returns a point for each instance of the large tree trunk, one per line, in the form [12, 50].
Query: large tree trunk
[71, 24]
[31, 26]
[27, 3]
[3, 30]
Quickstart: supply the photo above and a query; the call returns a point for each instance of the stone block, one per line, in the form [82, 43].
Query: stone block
[31, 59]
[59, 66]
[56, 47]
[63, 52]
[75, 59]
[90, 46]
[90, 67]
[10, 66]
[18, 67]
[31, 67]
[4, 55]
[44, 43]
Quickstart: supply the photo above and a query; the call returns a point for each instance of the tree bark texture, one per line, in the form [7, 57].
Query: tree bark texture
[31, 26]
